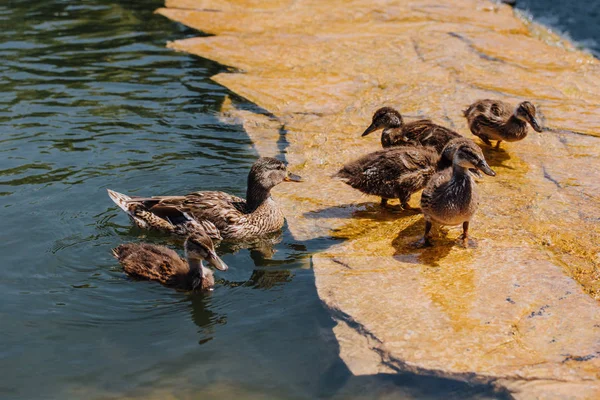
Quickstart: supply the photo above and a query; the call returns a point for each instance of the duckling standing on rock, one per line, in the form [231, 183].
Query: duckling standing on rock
[450, 197]
[421, 133]
[218, 214]
[159, 263]
[394, 173]
[497, 120]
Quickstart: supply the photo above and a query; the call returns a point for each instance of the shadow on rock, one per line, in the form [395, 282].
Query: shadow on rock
[366, 210]
[496, 157]
[409, 248]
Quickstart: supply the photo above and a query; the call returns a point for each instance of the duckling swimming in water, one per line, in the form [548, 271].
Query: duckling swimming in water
[218, 214]
[159, 263]
[450, 197]
[498, 120]
[417, 133]
[394, 173]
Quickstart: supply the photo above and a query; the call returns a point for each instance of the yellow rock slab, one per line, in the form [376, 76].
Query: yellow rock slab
[520, 310]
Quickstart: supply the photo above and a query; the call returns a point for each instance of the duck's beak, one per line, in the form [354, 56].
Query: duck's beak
[371, 128]
[292, 178]
[214, 260]
[483, 166]
[535, 124]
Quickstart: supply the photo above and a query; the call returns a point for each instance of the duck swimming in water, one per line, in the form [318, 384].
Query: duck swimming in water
[159, 263]
[218, 214]
[394, 173]
[500, 121]
[417, 133]
[450, 197]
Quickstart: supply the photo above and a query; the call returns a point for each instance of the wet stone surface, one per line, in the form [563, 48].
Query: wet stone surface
[518, 309]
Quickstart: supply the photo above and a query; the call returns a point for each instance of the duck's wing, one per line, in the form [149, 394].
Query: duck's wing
[146, 261]
[393, 137]
[417, 130]
[431, 195]
[219, 209]
[492, 111]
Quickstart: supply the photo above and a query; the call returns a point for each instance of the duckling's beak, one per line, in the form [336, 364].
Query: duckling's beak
[535, 124]
[371, 128]
[292, 178]
[214, 260]
[483, 166]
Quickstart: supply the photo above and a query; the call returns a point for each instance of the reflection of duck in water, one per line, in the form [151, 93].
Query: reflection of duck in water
[497, 120]
[219, 214]
[263, 247]
[159, 263]
[394, 173]
[450, 197]
[419, 133]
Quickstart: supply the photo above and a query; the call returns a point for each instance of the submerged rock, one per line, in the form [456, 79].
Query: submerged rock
[520, 310]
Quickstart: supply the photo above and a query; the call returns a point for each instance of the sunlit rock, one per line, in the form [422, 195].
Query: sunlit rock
[520, 310]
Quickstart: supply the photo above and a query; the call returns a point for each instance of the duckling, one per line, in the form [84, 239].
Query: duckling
[418, 133]
[218, 214]
[450, 197]
[396, 172]
[497, 120]
[159, 263]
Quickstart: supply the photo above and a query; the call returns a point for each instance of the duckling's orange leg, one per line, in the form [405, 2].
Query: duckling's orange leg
[465, 236]
[498, 144]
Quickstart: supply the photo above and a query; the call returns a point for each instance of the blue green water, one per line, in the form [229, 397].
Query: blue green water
[91, 99]
[576, 19]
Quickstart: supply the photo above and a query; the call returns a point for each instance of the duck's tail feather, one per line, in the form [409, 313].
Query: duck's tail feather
[467, 111]
[126, 204]
[342, 175]
[120, 199]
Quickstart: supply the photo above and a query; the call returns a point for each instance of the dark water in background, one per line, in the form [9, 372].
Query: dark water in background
[90, 99]
[578, 20]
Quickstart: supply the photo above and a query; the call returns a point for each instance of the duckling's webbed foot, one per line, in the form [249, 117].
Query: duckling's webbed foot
[407, 206]
[426, 241]
[384, 204]
[404, 202]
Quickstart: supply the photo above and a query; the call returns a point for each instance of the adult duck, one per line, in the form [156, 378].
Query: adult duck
[219, 214]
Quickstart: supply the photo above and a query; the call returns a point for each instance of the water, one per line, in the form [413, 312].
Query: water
[578, 20]
[91, 99]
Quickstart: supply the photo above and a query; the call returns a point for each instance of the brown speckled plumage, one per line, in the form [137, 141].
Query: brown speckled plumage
[450, 197]
[500, 121]
[159, 263]
[391, 173]
[417, 133]
[219, 214]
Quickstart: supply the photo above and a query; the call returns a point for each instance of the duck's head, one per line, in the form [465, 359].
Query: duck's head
[526, 112]
[268, 172]
[199, 247]
[471, 157]
[385, 117]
